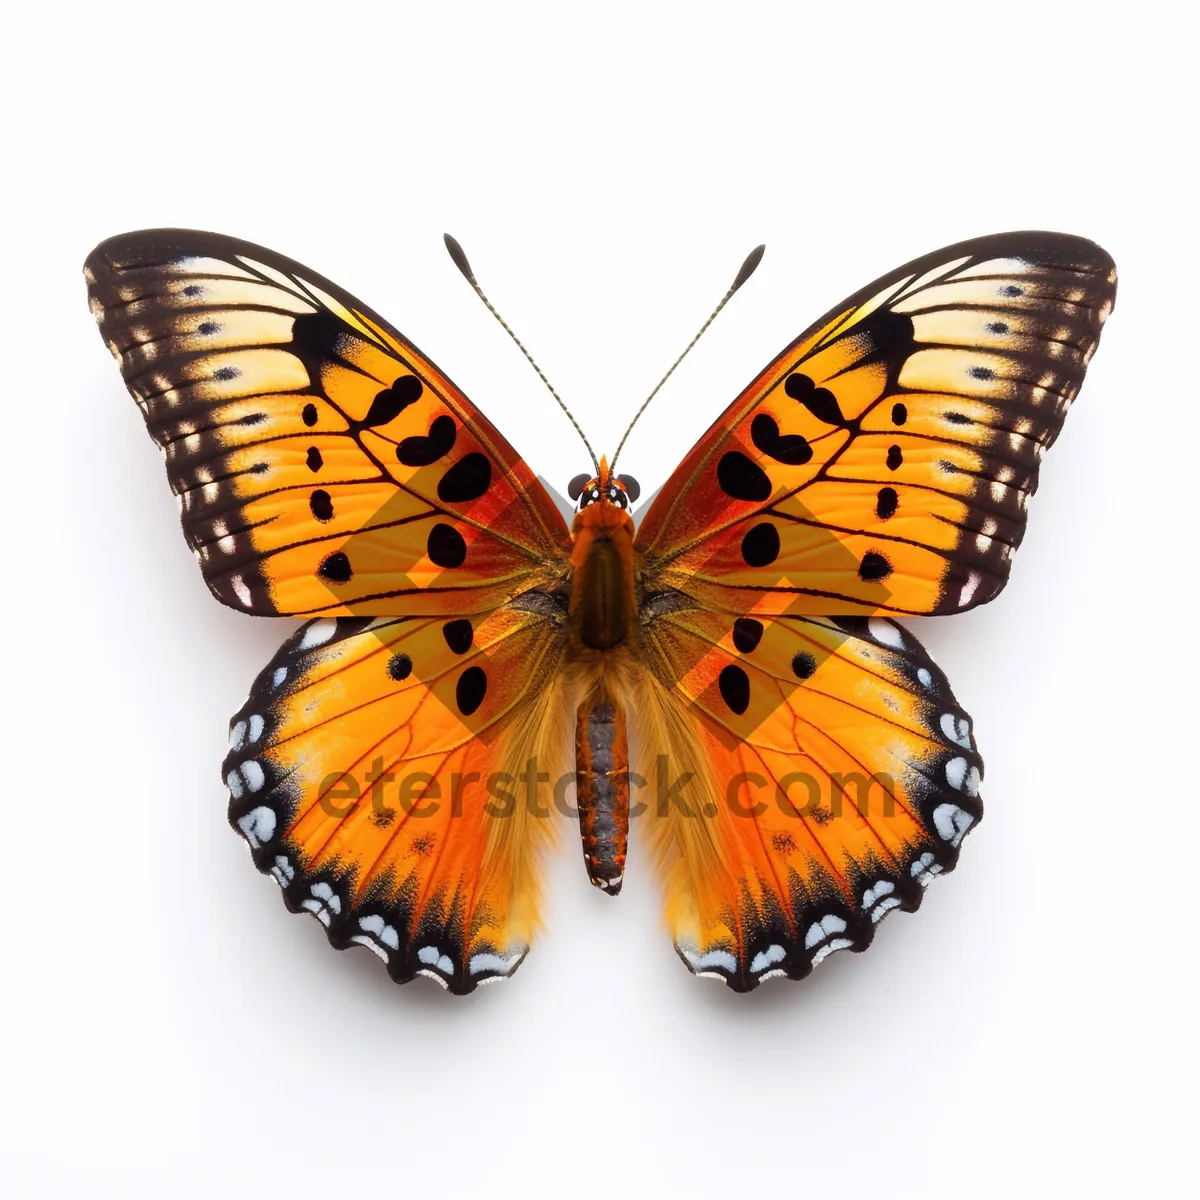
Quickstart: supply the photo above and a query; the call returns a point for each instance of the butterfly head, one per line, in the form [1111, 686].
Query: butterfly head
[618, 490]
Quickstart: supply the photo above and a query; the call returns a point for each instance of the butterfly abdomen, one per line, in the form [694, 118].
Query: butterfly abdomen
[602, 790]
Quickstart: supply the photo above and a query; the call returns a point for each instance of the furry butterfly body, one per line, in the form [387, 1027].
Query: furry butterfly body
[727, 668]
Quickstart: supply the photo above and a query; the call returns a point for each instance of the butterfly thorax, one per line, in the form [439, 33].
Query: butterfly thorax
[603, 608]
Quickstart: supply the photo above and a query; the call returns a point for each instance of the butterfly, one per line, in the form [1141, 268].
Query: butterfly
[727, 669]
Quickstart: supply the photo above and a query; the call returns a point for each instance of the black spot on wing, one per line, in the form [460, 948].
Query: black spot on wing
[320, 504]
[470, 690]
[734, 685]
[423, 449]
[803, 665]
[791, 448]
[874, 567]
[446, 547]
[336, 568]
[391, 402]
[760, 546]
[467, 480]
[891, 336]
[819, 401]
[459, 635]
[741, 478]
[747, 633]
[321, 331]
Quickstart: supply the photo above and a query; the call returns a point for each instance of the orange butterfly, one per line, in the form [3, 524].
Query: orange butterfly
[727, 669]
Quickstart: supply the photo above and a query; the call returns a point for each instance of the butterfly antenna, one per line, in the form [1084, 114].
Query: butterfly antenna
[460, 261]
[747, 269]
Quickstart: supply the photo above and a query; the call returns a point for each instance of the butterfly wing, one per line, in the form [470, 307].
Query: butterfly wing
[882, 463]
[884, 460]
[374, 773]
[325, 466]
[322, 463]
[843, 777]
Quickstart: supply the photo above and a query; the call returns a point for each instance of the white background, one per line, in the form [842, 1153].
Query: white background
[168, 1028]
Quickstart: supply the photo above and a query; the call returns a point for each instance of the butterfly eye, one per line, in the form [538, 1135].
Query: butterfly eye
[633, 489]
[576, 486]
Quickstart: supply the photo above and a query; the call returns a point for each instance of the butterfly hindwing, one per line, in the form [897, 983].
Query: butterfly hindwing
[845, 777]
[322, 463]
[884, 460]
[372, 771]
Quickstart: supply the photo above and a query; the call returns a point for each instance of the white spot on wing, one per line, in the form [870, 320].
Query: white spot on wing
[381, 930]
[952, 823]
[283, 871]
[764, 958]
[878, 899]
[957, 729]
[925, 868]
[885, 632]
[956, 773]
[323, 892]
[435, 958]
[318, 633]
[820, 930]
[969, 588]
[504, 964]
[714, 958]
[258, 825]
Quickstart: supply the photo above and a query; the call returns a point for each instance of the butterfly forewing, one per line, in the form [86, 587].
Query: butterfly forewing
[883, 462]
[322, 463]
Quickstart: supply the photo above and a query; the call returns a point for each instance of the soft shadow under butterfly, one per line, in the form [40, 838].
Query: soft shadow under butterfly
[727, 669]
